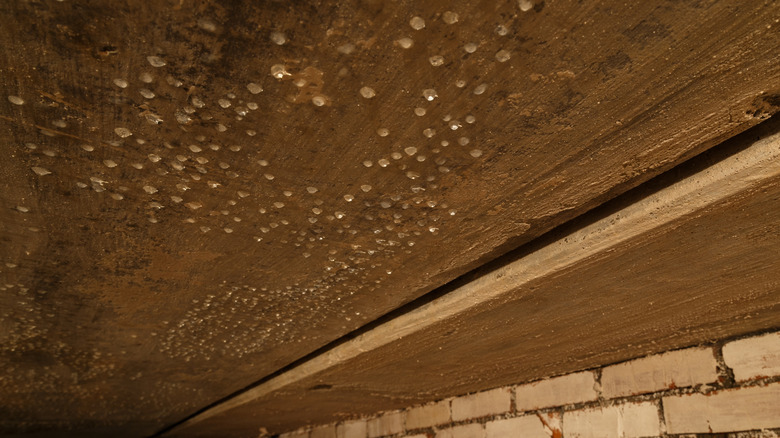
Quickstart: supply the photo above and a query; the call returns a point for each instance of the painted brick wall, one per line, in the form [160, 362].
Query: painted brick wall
[727, 389]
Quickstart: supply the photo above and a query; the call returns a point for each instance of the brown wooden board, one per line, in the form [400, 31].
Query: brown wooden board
[704, 276]
[171, 233]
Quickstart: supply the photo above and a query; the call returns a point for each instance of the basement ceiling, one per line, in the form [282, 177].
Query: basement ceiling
[197, 194]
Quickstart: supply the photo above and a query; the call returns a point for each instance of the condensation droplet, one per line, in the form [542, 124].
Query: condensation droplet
[146, 78]
[383, 162]
[501, 30]
[148, 94]
[121, 83]
[396, 156]
[463, 141]
[405, 42]
[366, 188]
[110, 163]
[429, 94]
[207, 25]
[278, 71]
[436, 60]
[450, 17]
[503, 55]
[224, 103]
[383, 132]
[155, 61]
[420, 111]
[278, 38]
[254, 88]
[470, 47]
[87, 147]
[470, 119]
[429, 132]
[16, 100]
[318, 100]
[480, 89]
[367, 92]
[368, 163]
[150, 189]
[476, 153]
[410, 150]
[348, 198]
[123, 132]
[417, 23]
[346, 48]
[525, 5]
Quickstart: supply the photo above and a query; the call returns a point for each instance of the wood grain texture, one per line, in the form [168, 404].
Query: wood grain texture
[172, 234]
[701, 266]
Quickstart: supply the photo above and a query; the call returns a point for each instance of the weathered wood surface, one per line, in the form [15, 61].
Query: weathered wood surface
[695, 260]
[171, 233]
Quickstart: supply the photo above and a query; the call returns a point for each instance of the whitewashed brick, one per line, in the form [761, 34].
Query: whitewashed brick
[528, 426]
[619, 421]
[352, 429]
[495, 401]
[327, 431]
[432, 414]
[755, 357]
[724, 411]
[389, 423]
[558, 391]
[465, 431]
[675, 369]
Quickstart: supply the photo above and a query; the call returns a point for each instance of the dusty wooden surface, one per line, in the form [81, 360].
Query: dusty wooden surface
[706, 275]
[171, 233]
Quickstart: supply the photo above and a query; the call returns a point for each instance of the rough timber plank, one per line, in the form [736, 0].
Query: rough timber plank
[693, 262]
[171, 234]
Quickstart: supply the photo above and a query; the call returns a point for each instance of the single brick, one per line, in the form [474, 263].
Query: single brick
[528, 426]
[481, 404]
[756, 357]
[389, 423]
[300, 433]
[675, 369]
[465, 431]
[432, 414]
[731, 410]
[327, 431]
[352, 429]
[619, 421]
[558, 391]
